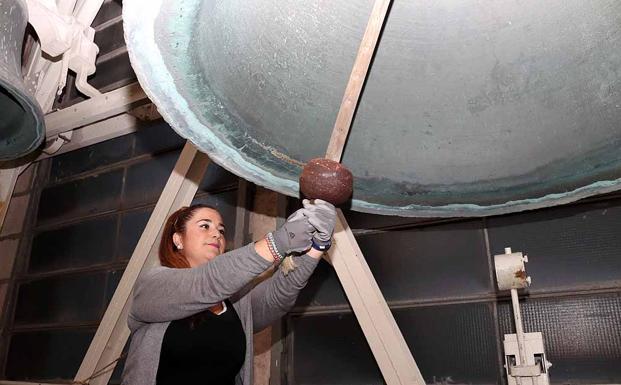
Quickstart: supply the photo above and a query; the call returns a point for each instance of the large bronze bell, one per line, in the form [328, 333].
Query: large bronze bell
[470, 108]
[22, 126]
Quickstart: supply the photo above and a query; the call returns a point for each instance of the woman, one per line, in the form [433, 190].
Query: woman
[188, 325]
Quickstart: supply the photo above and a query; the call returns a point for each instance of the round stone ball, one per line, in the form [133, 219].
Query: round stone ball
[327, 180]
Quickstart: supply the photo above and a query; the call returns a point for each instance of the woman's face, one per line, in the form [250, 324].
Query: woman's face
[203, 239]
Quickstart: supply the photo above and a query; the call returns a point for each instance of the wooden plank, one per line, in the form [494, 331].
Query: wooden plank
[356, 80]
[277, 343]
[95, 109]
[263, 219]
[8, 178]
[97, 132]
[113, 333]
[383, 335]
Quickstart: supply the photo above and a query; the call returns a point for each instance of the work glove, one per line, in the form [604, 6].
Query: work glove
[295, 236]
[322, 215]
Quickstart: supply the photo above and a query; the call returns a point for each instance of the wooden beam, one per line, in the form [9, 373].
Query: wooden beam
[8, 178]
[263, 219]
[380, 329]
[113, 332]
[95, 109]
[98, 132]
[356, 80]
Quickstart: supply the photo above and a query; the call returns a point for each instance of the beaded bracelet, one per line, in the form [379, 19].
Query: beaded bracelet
[271, 245]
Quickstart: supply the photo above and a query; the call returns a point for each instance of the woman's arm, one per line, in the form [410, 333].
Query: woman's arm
[164, 294]
[274, 297]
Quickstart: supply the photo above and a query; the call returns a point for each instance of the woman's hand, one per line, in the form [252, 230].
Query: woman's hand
[313, 223]
[296, 235]
[322, 215]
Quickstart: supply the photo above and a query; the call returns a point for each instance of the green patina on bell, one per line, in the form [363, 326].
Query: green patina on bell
[470, 108]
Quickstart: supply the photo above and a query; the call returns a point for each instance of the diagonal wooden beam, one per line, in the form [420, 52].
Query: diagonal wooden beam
[113, 332]
[8, 178]
[380, 329]
[356, 80]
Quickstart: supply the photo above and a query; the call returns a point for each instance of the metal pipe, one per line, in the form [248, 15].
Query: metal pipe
[519, 331]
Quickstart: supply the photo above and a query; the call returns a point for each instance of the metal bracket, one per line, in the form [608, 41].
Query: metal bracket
[524, 352]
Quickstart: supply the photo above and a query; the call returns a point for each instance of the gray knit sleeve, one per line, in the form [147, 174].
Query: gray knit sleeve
[163, 294]
[274, 297]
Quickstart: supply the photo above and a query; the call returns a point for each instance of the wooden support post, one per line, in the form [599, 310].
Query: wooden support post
[263, 219]
[8, 178]
[113, 333]
[241, 214]
[380, 329]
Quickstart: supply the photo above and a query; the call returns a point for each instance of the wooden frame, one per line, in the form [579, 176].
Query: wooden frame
[381, 331]
[92, 124]
[387, 344]
[386, 341]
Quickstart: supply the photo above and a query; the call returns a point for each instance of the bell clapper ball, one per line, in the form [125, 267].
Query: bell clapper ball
[327, 180]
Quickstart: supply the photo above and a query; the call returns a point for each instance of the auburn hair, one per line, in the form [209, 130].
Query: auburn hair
[169, 255]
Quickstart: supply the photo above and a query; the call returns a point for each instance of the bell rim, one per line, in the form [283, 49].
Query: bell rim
[29, 105]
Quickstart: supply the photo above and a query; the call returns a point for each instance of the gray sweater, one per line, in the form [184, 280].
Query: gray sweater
[163, 294]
